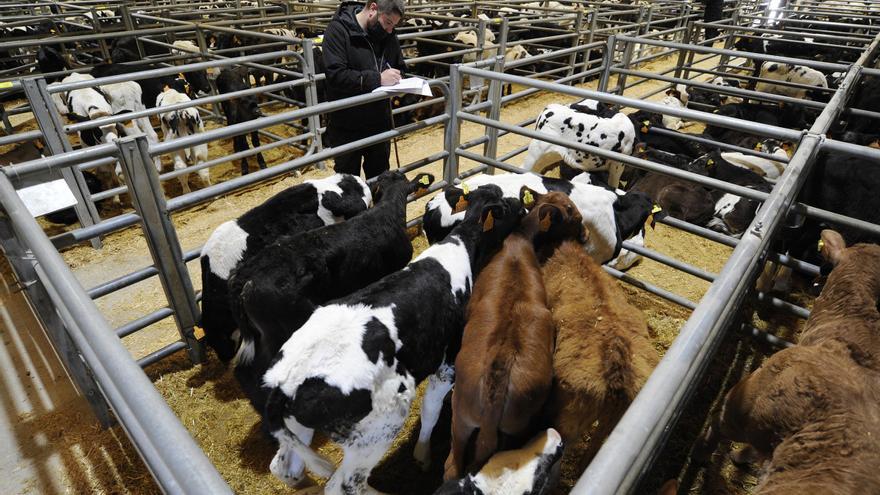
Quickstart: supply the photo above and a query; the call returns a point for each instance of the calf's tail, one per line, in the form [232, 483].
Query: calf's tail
[276, 404]
[494, 391]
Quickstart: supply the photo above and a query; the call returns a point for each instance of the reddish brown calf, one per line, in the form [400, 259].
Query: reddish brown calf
[846, 310]
[504, 369]
[817, 413]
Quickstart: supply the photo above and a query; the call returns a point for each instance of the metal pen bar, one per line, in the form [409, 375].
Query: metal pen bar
[627, 159]
[161, 354]
[174, 459]
[708, 118]
[143, 322]
[639, 435]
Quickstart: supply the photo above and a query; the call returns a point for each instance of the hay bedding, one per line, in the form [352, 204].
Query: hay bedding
[206, 397]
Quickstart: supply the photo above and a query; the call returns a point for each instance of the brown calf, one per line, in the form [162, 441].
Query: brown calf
[504, 369]
[817, 411]
[603, 355]
[846, 310]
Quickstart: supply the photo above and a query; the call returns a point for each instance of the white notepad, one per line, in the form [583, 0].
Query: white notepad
[411, 85]
[47, 197]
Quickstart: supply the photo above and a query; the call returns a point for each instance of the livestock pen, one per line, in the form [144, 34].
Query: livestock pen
[503, 135]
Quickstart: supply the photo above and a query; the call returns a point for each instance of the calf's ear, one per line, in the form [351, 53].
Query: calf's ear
[548, 215]
[832, 247]
[421, 183]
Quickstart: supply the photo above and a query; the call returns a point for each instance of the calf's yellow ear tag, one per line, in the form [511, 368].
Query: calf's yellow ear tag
[710, 163]
[655, 209]
[820, 245]
[465, 188]
[645, 126]
[758, 146]
[424, 180]
[527, 198]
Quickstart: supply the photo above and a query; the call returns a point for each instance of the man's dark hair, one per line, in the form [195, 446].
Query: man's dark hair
[389, 6]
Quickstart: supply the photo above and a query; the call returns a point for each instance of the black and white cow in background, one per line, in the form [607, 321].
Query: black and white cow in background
[564, 121]
[352, 369]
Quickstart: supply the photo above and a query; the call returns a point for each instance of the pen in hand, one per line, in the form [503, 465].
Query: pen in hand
[389, 76]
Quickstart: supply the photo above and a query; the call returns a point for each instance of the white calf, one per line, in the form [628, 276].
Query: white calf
[675, 98]
[613, 134]
[181, 123]
[770, 169]
[789, 73]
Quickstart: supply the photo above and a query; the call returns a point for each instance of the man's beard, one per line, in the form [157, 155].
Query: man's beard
[376, 31]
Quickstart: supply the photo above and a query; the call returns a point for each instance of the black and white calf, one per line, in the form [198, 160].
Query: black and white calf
[700, 97]
[531, 470]
[238, 110]
[676, 98]
[275, 291]
[352, 369]
[799, 74]
[733, 213]
[126, 97]
[613, 134]
[765, 167]
[299, 208]
[82, 105]
[182, 123]
[609, 218]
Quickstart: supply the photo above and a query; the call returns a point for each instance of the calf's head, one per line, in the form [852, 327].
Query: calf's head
[552, 216]
[631, 211]
[533, 469]
[394, 181]
[496, 215]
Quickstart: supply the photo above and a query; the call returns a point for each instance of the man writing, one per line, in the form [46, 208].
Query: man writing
[361, 53]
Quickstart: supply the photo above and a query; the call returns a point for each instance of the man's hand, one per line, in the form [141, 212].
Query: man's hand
[390, 77]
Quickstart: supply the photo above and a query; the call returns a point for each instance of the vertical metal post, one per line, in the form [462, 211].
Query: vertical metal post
[481, 49]
[312, 97]
[130, 26]
[578, 25]
[694, 35]
[149, 201]
[496, 87]
[679, 65]
[57, 143]
[203, 49]
[23, 263]
[627, 58]
[594, 15]
[453, 126]
[728, 41]
[6, 123]
[646, 28]
[96, 24]
[607, 61]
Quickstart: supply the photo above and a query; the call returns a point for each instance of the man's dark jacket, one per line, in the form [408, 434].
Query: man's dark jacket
[352, 66]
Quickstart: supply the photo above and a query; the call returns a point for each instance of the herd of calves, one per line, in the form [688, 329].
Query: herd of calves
[332, 325]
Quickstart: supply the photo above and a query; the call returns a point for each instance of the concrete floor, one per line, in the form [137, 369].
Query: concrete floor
[32, 384]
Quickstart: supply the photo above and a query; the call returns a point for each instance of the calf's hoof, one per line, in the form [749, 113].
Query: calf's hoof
[286, 468]
[422, 454]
